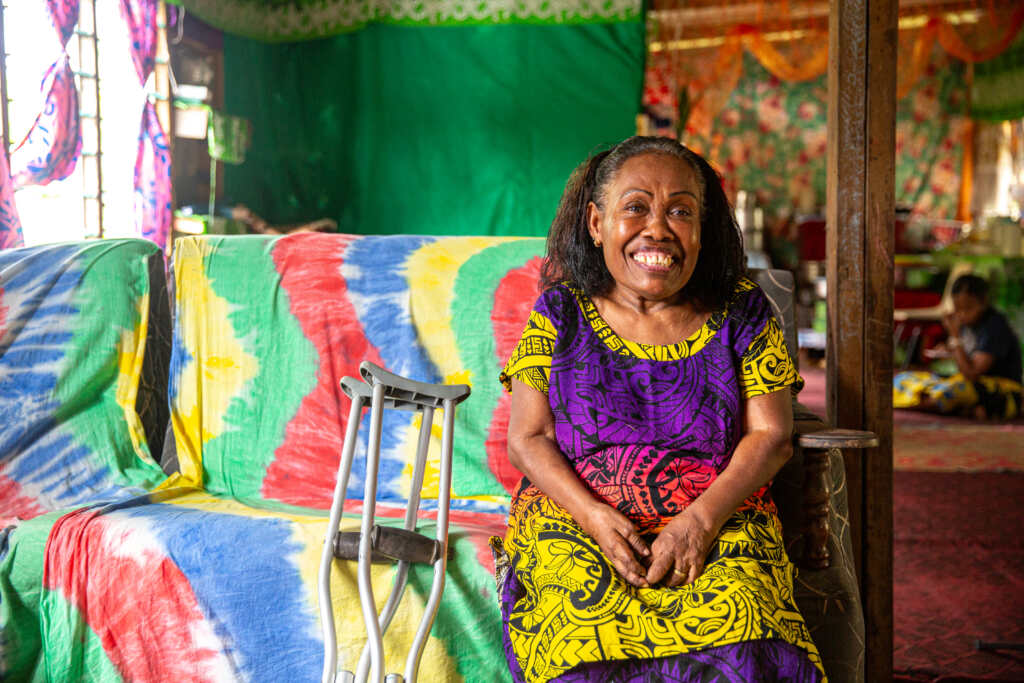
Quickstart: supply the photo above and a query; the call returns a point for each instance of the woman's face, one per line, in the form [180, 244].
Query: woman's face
[968, 308]
[649, 231]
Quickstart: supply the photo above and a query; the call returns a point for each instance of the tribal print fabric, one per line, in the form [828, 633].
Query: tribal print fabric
[648, 428]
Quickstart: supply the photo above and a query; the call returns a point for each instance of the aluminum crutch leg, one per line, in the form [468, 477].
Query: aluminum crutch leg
[402, 545]
[402, 569]
[327, 555]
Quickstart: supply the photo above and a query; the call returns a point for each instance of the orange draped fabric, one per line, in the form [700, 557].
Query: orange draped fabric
[963, 209]
[812, 66]
[810, 59]
[952, 43]
[711, 93]
[912, 67]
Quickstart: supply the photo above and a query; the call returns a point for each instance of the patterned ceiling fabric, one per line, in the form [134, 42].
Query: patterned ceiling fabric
[464, 130]
[992, 34]
[294, 20]
[689, 51]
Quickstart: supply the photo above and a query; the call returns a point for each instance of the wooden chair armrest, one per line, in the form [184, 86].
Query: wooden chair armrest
[816, 488]
[838, 438]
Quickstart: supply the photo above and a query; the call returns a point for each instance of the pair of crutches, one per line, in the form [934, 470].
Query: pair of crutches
[382, 389]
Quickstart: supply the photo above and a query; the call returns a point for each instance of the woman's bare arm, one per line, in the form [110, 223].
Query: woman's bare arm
[533, 450]
[682, 546]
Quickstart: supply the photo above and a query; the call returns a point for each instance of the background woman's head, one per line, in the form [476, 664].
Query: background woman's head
[970, 298]
[572, 255]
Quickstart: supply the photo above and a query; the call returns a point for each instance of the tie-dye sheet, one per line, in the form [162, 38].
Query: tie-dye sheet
[74, 322]
[266, 328]
[212, 576]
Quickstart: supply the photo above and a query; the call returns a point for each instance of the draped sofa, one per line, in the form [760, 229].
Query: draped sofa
[168, 448]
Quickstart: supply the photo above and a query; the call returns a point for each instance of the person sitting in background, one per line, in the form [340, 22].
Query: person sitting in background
[987, 354]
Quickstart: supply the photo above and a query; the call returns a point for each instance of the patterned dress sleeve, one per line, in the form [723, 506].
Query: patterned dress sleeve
[766, 365]
[530, 362]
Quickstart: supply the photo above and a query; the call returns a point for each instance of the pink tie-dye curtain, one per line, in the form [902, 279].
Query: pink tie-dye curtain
[153, 161]
[10, 226]
[54, 142]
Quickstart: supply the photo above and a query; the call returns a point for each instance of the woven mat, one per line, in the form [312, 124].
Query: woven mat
[959, 447]
[958, 575]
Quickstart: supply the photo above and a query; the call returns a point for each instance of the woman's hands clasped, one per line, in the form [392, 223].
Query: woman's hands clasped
[678, 553]
[675, 558]
[619, 541]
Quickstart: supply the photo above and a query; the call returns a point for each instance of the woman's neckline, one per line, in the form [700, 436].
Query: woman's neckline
[623, 346]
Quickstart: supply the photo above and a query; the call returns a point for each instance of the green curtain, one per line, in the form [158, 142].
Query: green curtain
[433, 130]
[997, 92]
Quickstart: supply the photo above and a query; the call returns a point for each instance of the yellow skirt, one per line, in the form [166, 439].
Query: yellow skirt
[569, 606]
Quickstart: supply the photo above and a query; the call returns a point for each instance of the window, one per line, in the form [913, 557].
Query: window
[97, 198]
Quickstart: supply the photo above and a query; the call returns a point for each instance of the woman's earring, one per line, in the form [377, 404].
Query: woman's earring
[597, 244]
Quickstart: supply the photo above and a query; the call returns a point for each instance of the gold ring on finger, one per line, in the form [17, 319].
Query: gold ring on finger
[678, 573]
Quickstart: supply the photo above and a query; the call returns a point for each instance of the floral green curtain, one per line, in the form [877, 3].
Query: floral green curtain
[770, 138]
[931, 125]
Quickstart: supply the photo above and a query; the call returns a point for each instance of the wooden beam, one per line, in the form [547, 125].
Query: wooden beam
[722, 13]
[859, 267]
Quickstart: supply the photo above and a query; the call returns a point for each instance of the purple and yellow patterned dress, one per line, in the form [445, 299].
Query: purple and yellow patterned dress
[648, 428]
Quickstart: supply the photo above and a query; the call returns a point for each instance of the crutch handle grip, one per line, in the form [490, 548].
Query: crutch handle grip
[390, 545]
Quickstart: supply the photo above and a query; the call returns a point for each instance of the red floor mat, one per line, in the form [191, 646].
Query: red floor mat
[958, 575]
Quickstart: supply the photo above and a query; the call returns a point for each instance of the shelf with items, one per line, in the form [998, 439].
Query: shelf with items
[197, 65]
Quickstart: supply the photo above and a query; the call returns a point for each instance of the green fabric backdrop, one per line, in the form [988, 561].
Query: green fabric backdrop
[997, 92]
[434, 130]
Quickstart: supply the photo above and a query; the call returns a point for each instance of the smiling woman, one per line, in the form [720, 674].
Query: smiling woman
[649, 414]
[649, 236]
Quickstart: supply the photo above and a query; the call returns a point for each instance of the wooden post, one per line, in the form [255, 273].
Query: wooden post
[165, 101]
[860, 218]
[3, 88]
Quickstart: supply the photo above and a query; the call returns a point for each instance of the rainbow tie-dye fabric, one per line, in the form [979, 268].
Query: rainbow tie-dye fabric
[211, 573]
[74, 323]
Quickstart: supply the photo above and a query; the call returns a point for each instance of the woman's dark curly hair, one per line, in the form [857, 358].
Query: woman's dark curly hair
[572, 256]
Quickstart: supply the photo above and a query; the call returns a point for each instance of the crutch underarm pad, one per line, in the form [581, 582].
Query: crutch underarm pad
[404, 390]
